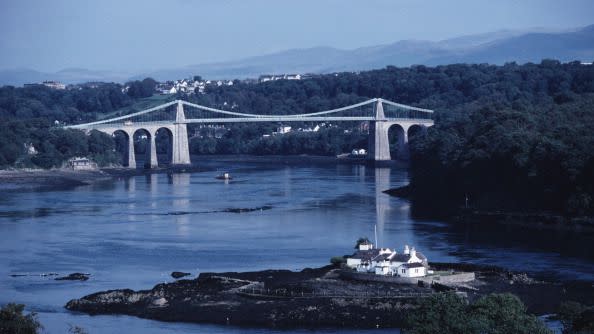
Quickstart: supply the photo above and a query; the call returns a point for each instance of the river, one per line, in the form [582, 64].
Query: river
[134, 231]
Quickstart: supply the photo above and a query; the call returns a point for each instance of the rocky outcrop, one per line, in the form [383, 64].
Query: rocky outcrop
[314, 298]
[179, 274]
[74, 277]
[272, 298]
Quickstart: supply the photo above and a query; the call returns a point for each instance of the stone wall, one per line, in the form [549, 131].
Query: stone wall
[443, 279]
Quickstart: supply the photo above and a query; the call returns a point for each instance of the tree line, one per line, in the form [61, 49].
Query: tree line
[504, 136]
[32, 116]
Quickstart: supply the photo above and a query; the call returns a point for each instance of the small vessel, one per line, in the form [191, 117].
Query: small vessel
[224, 176]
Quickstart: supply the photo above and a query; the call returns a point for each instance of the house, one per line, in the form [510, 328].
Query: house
[283, 129]
[81, 163]
[54, 85]
[383, 261]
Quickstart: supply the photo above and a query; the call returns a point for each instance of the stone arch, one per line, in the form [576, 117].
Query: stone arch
[122, 145]
[398, 141]
[144, 146]
[164, 145]
[415, 129]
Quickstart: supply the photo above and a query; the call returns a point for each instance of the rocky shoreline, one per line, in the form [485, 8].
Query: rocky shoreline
[314, 298]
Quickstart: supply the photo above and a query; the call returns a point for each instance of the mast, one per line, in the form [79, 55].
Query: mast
[375, 233]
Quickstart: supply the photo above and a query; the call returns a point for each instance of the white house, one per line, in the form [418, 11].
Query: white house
[384, 261]
[81, 163]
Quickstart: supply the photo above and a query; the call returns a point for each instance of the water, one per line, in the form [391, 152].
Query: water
[133, 232]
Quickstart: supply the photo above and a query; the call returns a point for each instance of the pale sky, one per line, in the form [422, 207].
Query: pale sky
[144, 35]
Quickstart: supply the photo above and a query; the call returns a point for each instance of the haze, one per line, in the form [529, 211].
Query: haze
[149, 35]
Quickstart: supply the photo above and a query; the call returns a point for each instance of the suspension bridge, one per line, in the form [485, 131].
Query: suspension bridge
[174, 118]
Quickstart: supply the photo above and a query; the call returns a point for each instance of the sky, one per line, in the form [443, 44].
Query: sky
[146, 35]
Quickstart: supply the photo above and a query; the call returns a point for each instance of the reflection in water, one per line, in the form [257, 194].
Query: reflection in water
[152, 181]
[134, 233]
[181, 199]
[130, 185]
[382, 201]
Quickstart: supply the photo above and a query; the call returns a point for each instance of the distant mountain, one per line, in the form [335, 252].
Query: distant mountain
[18, 77]
[495, 48]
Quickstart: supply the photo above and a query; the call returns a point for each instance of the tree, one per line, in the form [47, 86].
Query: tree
[362, 240]
[13, 321]
[491, 314]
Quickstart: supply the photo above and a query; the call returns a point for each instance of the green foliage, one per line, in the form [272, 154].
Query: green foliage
[140, 89]
[491, 314]
[337, 260]
[13, 321]
[362, 240]
[28, 116]
[576, 318]
[515, 137]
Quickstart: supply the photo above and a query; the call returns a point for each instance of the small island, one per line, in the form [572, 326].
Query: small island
[329, 296]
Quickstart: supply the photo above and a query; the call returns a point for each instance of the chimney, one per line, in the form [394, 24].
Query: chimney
[413, 252]
[406, 250]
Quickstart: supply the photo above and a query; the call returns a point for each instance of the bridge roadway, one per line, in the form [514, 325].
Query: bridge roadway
[378, 150]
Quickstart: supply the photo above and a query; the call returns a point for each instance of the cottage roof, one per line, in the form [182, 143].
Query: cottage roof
[367, 255]
[412, 265]
[400, 257]
[382, 257]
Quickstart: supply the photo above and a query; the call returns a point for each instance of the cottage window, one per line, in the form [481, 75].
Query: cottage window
[416, 270]
[404, 271]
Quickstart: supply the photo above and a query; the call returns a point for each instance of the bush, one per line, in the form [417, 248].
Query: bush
[12, 320]
[491, 314]
[337, 260]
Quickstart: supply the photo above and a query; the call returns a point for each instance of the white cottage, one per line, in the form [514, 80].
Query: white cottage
[384, 261]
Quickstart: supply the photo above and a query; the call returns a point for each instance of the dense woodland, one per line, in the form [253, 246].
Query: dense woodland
[512, 136]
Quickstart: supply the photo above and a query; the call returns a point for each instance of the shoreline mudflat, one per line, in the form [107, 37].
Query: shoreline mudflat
[41, 179]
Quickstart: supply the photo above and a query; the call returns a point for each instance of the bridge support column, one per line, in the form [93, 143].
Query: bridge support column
[152, 158]
[379, 144]
[181, 148]
[131, 155]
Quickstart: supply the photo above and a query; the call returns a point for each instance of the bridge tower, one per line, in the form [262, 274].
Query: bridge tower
[181, 148]
[379, 144]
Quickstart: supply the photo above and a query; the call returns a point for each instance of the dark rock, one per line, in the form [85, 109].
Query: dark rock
[179, 274]
[313, 298]
[74, 277]
[242, 210]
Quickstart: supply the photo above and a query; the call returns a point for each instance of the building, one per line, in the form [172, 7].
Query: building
[384, 261]
[269, 77]
[284, 129]
[54, 85]
[81, 163]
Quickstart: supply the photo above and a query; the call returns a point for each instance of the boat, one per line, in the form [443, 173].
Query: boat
[224, 176]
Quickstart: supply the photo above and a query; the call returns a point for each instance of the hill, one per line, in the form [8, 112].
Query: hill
[493, 48]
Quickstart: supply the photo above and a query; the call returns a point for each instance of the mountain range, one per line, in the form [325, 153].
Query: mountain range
[494, 48]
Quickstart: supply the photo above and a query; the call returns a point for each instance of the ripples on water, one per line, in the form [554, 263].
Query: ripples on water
[132, 233]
